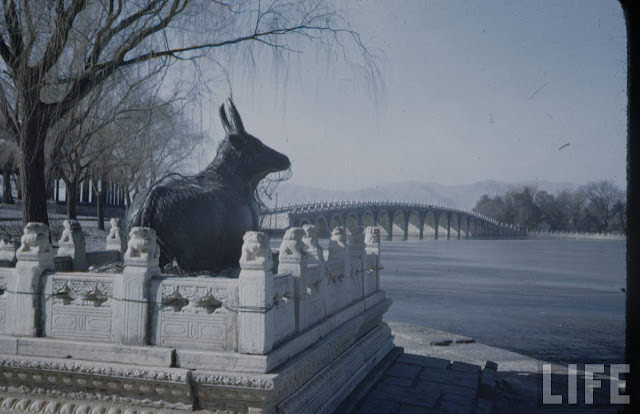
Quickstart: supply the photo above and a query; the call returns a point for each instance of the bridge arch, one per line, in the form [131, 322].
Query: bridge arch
[384, 223]
[351, 221]
[336, 221]
[399, 225]
[322, 227]
[466, 223]
[475, 229]
[441, 218]
[462, 221]
[454, 225]
[428, 226]
[414, 227]
[368, 218]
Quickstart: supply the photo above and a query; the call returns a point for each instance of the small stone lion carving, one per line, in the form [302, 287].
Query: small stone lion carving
[310, 240]
[255, 249]
[372, 236]
[35, 239]
[339, 236]
[292, 244]
[114, 231]
[310, 235]
[114, 238]
[338, 243]
[142, 243]
[72, 233]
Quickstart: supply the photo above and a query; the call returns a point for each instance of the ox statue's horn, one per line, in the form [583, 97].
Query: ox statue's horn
[236, 121]
[225, 121]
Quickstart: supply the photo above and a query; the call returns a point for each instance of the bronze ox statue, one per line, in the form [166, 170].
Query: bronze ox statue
[200, 220]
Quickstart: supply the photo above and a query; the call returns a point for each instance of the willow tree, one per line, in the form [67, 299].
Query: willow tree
[54, 53]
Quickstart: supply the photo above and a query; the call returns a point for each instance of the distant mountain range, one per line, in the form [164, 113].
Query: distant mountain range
[461, 196]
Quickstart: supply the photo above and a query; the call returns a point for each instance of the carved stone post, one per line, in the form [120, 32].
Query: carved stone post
[292, 259]
[35, 256]
[141, 264]
[115, 241]
[338, 249]
[255, 319]
[338, 264]
[356, 259]
[316, 257]
[372, 250]
[312, 246]
[72, 244]
[7, 253]
[303, 261]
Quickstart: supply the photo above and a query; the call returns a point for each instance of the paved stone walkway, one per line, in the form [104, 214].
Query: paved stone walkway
[420, 384]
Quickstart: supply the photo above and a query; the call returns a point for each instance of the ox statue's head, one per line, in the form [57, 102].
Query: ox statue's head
[245, 154]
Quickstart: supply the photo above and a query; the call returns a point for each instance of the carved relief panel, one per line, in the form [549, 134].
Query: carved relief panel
[197, 313]
[79, 306]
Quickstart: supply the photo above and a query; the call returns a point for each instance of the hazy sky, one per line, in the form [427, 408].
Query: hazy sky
[473, 90]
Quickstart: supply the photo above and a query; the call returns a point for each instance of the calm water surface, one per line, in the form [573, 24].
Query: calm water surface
[557, 300]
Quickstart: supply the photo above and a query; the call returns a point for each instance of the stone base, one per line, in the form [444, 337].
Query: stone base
[330, 365]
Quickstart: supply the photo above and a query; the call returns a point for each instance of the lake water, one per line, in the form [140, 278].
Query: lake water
[556, 300]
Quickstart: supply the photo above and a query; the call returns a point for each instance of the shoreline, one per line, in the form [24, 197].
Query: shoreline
[420, 340]
[519, 378]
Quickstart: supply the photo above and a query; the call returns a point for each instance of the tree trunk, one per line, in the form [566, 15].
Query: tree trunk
[105, 191]
[99, 195]
[72, 199]
[50, 188]
[33, 185]
[78, 192]
[100, 212]
[7, 197]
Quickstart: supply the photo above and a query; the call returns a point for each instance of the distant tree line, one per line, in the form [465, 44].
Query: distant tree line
[595, 207]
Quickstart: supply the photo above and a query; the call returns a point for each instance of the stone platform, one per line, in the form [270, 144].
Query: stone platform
[294, 336]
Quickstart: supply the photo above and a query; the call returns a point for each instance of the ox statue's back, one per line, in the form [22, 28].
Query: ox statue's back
[200, 220]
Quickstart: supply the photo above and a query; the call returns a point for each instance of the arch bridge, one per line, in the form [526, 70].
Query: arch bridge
[397, 219]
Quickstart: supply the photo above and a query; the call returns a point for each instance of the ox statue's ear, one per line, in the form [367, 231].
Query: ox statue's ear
[225, 121]
[236, 121]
